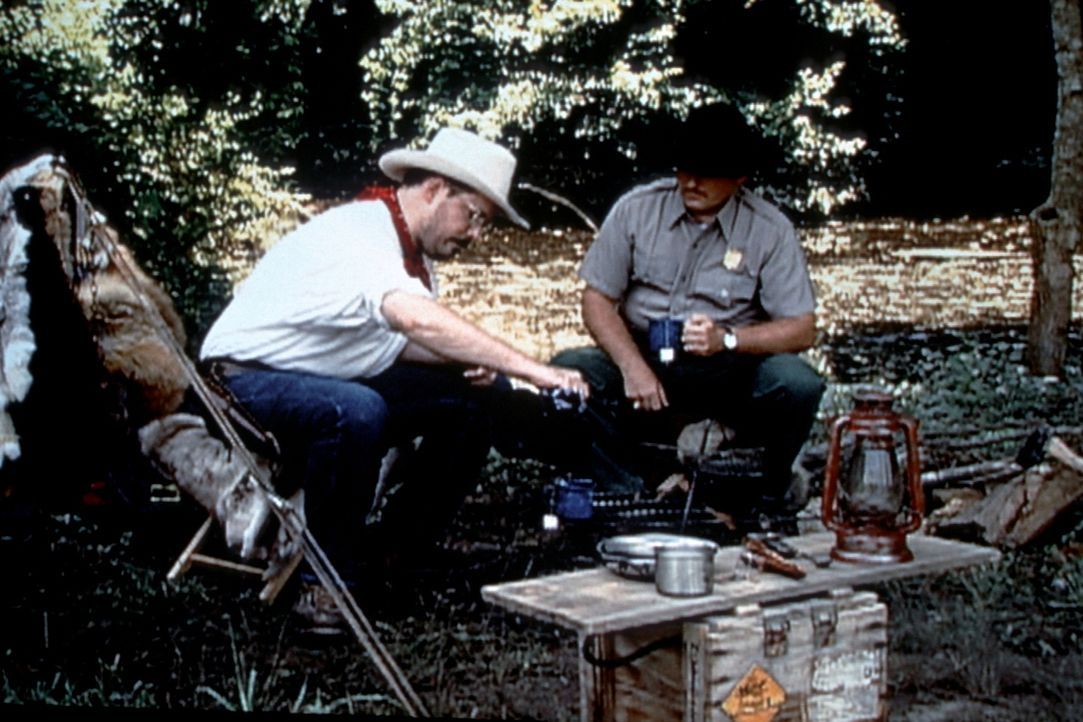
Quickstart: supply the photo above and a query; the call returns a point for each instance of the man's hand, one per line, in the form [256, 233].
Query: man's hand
[701, 336]
[480, 376]
[643, 388]
[605, 324]
[558, 377]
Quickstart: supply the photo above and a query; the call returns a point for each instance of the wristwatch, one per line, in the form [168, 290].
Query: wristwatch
[729, 339]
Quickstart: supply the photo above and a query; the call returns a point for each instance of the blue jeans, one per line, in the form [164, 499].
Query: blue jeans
[454, 421]
[332, 433]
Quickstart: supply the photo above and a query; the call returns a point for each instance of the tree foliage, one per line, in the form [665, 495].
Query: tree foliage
[602, 82]
[201, 124]
[177, 163]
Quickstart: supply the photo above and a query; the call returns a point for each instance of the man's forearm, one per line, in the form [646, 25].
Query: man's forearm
[419, 354]
[783, 335]
[443, 334]
[609, 331]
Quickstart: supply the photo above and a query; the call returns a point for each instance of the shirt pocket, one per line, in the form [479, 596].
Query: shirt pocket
[652, 267]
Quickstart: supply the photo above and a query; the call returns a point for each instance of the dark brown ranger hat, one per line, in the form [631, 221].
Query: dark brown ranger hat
[716, 141]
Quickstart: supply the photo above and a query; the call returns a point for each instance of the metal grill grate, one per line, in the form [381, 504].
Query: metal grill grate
[618, 513]
[746, 463]
[736, 467]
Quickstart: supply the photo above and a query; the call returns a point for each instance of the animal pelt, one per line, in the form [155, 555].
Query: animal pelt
[123, 311]
[99, 316]
[16, 338]
[132, 349]
[129, 315]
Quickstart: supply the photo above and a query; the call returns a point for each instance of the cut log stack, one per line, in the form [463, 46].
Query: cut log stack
[1035, 490]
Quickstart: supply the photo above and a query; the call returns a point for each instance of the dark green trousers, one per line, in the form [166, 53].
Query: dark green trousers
[770, 401]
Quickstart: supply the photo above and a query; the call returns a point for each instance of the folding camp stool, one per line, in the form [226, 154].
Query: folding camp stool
[266, 445]
[192, 555]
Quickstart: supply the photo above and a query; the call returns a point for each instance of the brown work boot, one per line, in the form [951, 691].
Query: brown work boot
[317, 607]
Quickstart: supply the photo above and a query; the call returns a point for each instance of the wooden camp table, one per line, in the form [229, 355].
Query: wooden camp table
[614, 616]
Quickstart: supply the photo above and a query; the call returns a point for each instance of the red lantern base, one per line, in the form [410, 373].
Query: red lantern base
[871, 546]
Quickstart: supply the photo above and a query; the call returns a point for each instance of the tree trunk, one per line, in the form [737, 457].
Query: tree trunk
[1057, 221]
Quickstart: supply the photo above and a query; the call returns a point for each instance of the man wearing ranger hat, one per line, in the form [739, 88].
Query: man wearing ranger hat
[700, 249]
[337, 345]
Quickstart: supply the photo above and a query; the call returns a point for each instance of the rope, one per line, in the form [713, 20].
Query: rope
[615, 662]
[287, 517]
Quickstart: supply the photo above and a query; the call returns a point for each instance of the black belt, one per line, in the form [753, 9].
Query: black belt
[225, 366]
[255, 437]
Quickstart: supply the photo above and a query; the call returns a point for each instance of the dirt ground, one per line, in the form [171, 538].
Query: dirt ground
[90, 622]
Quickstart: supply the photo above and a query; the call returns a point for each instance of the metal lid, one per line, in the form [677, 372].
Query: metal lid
[683, 551]
[643, 546]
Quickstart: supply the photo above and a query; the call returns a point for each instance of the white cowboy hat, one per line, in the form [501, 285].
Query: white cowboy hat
[462, 156]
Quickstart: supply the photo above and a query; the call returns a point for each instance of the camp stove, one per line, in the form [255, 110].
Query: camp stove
[574, 503]
[726, 473]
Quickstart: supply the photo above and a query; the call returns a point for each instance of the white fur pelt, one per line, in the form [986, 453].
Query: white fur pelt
[16, 337]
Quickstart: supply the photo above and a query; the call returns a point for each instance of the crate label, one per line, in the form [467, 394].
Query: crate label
[846, 686]
[758, 697]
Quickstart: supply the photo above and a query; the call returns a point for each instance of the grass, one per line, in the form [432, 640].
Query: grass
[89, 621]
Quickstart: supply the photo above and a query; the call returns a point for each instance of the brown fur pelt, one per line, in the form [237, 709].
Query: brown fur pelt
[127, 312]
[131, 346]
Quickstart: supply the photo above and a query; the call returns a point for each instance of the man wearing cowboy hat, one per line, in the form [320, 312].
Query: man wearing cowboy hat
[337, 345]
[703, 250]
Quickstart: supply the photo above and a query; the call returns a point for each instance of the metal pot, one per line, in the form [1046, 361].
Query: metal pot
[633, 555]
[684, 570]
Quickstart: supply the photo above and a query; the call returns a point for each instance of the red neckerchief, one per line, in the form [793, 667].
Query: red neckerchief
[412, 259]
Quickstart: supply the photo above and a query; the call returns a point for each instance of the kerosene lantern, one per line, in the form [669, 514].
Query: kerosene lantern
[869, 501]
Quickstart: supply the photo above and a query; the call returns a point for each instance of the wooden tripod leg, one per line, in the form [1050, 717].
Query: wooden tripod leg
[274, 584]
[191, 555]
[184, 561]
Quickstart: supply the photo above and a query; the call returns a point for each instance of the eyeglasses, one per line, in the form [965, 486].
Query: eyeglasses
[479, 221]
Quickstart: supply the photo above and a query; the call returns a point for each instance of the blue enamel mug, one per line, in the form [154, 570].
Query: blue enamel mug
[664, 338]
[574, 498]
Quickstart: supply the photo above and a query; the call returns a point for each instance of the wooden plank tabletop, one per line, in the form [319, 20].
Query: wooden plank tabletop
[598, 601]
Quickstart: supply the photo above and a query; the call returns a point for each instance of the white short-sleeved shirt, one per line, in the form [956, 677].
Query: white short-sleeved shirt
[312, 303]
[744, 266]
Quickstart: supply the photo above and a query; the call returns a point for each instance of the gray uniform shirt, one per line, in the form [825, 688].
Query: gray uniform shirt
[744, 266]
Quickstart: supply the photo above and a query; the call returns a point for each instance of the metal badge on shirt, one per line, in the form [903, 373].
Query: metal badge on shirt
[732, 259]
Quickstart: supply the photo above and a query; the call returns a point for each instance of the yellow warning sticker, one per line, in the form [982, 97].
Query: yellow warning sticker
[758, 697]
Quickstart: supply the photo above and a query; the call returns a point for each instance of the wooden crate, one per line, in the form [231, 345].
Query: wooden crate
[616, 617]
[818, 660]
